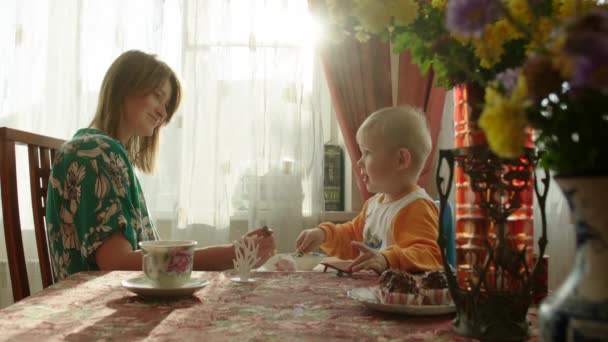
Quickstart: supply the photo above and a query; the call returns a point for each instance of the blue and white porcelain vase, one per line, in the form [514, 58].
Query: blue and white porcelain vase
[578, 310]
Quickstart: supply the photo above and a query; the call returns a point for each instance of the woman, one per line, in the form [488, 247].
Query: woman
[96, 212]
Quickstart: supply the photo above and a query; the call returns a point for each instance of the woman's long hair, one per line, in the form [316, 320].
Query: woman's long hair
[135, 73]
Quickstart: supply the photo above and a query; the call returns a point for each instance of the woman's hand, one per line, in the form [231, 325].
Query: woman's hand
[265, 240]
[309, 240]
[368, 259]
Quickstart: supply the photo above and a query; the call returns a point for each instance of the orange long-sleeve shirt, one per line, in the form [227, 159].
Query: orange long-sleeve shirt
[410, 243]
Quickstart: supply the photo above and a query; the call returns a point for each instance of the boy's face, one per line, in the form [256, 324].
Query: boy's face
[378, 161]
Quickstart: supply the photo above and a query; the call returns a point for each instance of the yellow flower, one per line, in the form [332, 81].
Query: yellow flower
[439, 4]
[520, 10]
[362, 36]
[541, 33]
[490, 46]
[404, 11]
[556, 7]
[509, 30]
[567, 8]
[374, 15]
[564, 8]
[504, 120]
[460, 38]
[520, 93]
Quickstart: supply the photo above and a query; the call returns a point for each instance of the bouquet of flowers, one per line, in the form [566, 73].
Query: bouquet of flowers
[561, 90]
[543, 64]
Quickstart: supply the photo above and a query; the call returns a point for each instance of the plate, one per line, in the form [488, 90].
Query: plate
[308, 261]
[366, 296]
[239, 280]
[143, 287]
[291, 262]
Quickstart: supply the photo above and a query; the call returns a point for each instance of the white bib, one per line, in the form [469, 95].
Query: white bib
[379, 218]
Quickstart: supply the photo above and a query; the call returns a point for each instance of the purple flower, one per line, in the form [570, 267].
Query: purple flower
[590, 72]
[508, 79]
[587, 44]
[589, 52]
[469, 17]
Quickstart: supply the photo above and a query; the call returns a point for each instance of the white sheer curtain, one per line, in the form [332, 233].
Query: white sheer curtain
[244, 150]
[248, 142]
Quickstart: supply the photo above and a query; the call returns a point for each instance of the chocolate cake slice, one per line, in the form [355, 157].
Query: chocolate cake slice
[399, 282]
[434, 280]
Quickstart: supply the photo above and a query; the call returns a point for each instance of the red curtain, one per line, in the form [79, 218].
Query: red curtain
[359, 80]
[420, 91]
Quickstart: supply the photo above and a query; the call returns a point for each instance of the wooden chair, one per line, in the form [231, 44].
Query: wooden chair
[41, 153]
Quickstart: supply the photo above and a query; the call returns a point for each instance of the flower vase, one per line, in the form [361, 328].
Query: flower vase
[495, 266]
[466, 130]
[495, 275]
[578, 310]
[473, 222]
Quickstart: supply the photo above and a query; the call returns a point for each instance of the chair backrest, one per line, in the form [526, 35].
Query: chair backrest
[447, 231]
[41, 153]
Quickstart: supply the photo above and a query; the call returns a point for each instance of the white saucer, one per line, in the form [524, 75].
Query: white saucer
[366, 296]
[239, 280]
[143, 287]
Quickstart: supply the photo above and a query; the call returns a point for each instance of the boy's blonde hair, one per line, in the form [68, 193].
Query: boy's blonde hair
[403, 126]
[135, 73]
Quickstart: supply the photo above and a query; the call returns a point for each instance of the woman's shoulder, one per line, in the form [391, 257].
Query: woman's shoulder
[88, 139]
[90, 143]
[92, 137]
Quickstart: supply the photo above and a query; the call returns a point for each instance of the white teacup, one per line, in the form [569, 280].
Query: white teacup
[166, 263]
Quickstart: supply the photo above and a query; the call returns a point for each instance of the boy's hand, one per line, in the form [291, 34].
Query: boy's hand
[265, 239]
[310, 240]
[368, 259]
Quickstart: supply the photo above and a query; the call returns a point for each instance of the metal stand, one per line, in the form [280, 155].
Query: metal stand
[494, 310]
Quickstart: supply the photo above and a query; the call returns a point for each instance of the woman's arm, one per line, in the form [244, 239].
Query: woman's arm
[116, 253]
[214, 258]
[219, 258]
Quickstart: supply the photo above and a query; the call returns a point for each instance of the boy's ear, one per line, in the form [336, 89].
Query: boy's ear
[404, 159]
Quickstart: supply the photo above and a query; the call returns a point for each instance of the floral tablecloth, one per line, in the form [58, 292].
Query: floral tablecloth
[278, 306]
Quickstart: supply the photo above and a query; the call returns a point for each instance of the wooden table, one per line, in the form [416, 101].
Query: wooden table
[290, 306]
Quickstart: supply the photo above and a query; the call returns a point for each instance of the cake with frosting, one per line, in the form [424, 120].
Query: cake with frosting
[434, 280]
[398, 281]
[401, 287]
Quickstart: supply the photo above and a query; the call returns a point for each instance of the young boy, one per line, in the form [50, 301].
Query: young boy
[398, 227]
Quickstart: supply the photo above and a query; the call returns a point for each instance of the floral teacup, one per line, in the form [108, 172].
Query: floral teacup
[168, 264]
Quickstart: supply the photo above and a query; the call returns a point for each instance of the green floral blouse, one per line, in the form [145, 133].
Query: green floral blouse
[93, 193]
